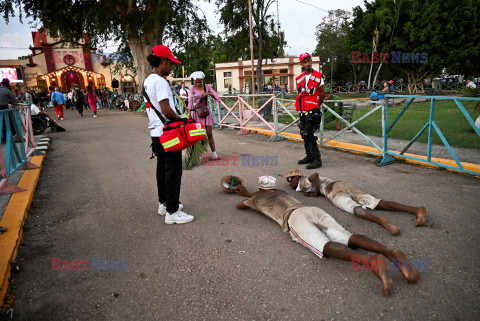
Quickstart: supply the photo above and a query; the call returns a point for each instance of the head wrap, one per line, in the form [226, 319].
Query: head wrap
[266, 182]
[197, 75]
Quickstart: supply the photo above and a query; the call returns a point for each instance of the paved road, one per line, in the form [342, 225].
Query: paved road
[96, 199]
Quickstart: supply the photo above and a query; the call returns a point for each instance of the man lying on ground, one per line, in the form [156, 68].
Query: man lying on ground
[320, 233]
[351, 199]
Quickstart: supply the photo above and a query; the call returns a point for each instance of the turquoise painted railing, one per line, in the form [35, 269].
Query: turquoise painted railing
[388, 156]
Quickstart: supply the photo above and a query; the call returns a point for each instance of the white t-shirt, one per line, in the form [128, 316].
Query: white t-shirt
[157, 89]
[472, 85]
[34, 109]
[184, 93]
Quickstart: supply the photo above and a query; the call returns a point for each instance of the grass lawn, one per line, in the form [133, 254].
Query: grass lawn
[448, 117]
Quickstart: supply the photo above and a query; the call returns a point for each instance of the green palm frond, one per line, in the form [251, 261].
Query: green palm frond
[470, 92]
[193, 154]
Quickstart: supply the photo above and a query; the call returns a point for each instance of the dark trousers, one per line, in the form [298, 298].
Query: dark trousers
[169, 175]
[79, 107]
[309, 123]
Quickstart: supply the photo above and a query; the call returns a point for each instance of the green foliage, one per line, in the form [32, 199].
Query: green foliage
[331, 45]
[471, 92]
[193, 154]
[139, 24]
[447, 30]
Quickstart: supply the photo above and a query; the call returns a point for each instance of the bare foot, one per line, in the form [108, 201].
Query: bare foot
[377, 265]
[421, 216]
[403, 263]
[392, 228]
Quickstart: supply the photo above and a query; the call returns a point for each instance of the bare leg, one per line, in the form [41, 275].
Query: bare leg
[366, 243]
[211, 141]
[419, 212]
[342, 252]
[382, 221]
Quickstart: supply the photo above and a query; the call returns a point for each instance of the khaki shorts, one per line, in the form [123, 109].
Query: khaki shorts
[313, 228]
[348, 202]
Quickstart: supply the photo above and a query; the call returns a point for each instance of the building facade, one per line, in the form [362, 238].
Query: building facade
[279, 71]
[55, 63]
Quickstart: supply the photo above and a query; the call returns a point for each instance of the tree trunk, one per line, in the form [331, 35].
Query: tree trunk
[260, 63]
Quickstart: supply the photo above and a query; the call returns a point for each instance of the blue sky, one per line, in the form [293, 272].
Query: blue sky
[298, 18]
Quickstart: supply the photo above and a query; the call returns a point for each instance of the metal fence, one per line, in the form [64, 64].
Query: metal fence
[16, 131]
[388, 155]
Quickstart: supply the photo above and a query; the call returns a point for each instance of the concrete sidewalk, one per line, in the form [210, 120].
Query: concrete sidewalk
[96, 200]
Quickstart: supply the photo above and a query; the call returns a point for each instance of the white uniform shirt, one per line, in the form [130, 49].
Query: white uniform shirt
[157, 89]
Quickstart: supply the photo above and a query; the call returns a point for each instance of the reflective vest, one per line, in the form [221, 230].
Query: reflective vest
[308, 96]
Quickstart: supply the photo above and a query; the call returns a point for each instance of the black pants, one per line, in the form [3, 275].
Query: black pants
[79, 107]
[169, 175]
[309, 123]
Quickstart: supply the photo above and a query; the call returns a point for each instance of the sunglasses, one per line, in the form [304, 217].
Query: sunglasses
[289, 179]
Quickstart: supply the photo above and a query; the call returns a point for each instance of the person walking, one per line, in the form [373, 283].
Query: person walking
[160, 105]
[92, 100]
[197, 97]
[78, 99]
[309, 99]
[58, 101]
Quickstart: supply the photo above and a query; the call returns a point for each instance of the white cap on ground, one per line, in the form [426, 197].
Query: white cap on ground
[266, 182]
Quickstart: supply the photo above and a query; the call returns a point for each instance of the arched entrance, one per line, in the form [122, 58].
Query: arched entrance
[128, 84]
[72, 78]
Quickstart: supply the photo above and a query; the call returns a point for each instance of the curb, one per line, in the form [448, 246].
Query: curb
[14, 219]
[367, 150]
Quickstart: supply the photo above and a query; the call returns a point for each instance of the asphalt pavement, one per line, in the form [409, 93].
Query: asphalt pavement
[96, 201]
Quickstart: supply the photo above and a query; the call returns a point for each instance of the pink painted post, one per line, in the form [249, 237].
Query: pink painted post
[28, 133]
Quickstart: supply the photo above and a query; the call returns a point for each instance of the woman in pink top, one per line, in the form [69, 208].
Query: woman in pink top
[92, 99]
[197, 91]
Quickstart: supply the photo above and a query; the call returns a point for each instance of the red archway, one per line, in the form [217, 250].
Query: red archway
[72, 78]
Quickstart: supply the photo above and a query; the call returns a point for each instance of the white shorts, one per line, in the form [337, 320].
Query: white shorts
[348, 202]
[313, 228]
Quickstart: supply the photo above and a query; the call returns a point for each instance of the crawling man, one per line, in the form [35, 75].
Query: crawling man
[351, 199]
[320, 233]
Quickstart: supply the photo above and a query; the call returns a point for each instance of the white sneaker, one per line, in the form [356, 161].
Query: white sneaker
[94, 116]
[178, 217]
[61, 118]
[162, 209]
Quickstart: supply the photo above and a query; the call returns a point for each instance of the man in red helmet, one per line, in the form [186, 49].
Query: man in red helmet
[309, 99]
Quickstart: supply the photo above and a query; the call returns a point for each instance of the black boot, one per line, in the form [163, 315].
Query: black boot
[308, 159]
[317, 160]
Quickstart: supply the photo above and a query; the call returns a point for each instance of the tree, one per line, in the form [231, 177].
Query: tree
[140, 25]
[234, 16]
[330, 35]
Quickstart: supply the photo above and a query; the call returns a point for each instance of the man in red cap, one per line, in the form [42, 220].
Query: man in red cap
[309, 99]
[160, 109]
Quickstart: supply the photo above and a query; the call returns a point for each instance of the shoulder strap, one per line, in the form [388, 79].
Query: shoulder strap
[144, 93]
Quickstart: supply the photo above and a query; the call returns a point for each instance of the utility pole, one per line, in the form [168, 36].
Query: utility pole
[251, 46]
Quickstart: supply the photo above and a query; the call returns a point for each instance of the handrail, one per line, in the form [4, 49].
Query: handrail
[16, 149]
[388, 156]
